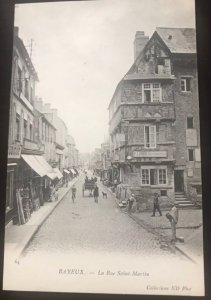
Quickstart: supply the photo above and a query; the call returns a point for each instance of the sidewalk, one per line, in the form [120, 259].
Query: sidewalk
[189, 227]
[17, 237]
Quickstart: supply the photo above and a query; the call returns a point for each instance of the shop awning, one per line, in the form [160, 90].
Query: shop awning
[58, 173]
[58, 151]
[52, 175]
[73, 171]
[44, 163]
[34, 164]
[66, 171]
[40, 165]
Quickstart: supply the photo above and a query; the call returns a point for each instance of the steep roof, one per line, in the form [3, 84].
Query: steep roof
[178, 40]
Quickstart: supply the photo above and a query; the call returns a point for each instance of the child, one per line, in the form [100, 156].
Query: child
[173, 217]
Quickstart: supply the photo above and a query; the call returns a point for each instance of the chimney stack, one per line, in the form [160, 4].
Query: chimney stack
[47, 108]
[139, 43]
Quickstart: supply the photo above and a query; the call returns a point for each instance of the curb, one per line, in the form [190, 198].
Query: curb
[153, 230]
[28, 239]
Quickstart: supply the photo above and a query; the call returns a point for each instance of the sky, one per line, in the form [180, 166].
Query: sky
[82, 49]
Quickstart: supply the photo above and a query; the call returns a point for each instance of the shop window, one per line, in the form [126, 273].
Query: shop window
[185, 84]
[189, 122]
[145, 176]
[153, 176]
[162, 176]
[9, 193]
[150, 136]
[190, 154]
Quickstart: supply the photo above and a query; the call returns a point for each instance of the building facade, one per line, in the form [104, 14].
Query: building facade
[21, 126]
[154, 117]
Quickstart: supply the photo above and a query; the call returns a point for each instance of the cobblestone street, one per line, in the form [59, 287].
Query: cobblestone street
[88, 226]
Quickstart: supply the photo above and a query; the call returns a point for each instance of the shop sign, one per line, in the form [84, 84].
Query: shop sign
[149, 153]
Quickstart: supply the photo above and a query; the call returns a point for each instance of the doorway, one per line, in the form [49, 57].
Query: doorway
[179, 181]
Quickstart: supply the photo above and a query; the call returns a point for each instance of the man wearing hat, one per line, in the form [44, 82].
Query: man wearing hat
[156, 205]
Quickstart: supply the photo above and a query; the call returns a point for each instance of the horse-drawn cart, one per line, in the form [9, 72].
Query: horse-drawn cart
[88, 186]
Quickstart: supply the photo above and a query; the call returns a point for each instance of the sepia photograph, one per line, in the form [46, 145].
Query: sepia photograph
[104, 178]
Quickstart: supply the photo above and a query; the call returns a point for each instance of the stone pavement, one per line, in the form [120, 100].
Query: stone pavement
[189, 226]
[17, 237]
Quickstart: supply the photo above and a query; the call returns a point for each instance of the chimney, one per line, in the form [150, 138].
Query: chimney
[47, 107]
[38, 103]
[139, 43]
[16, 31]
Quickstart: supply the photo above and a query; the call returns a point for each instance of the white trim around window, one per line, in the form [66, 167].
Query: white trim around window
[154, 176]
[150, 136]
[153, 92]
[185, 84]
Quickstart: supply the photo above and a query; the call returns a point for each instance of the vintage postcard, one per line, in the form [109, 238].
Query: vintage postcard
[104, 190]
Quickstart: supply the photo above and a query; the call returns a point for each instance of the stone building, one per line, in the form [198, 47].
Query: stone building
[154, 118]
[45, 135]
[27, 167]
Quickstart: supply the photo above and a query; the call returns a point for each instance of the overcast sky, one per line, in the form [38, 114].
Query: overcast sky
[82, 50]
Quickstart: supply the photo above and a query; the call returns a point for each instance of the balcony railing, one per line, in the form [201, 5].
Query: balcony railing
[14, 151]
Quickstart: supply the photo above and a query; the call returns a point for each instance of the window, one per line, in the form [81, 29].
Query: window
[163, 193]
[185, 84]
[145, 176]
[150, 136]
[152, 92]
[190, 155]
[17, 127]
[26, 88]
[31, 132]
[19, 79]
[189, 122]
[9, 189]
[153, 176]
[31, 94]
[25, 128]
[162, 176]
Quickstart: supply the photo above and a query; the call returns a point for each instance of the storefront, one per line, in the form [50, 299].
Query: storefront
[10, 197]
[35, 178]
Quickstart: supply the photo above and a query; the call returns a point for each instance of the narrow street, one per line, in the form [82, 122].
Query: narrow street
[89, 226]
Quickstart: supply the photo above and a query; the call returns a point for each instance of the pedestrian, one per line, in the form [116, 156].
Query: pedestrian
[156, 205]
[131, 200]
[96, 193]
[74, 190]
[173, 217]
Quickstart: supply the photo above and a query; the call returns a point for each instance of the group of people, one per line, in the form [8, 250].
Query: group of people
[172, 215]
[95, 193]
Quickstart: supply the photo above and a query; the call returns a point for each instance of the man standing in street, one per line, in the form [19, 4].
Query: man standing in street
[156, 205]
[74, 190]
[96, 193]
